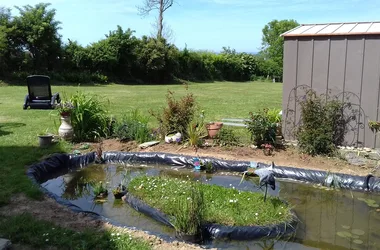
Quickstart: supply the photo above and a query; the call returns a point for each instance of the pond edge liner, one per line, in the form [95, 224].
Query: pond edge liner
[218, 231]
[59, 164]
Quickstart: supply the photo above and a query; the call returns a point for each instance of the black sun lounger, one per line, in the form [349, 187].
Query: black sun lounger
[39, 93]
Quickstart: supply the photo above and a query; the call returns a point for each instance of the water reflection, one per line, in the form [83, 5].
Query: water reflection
[329, 219]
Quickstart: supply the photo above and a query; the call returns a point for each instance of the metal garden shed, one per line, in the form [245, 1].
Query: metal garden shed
[340, 60]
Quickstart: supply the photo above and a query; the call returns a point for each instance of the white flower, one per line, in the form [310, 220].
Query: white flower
[230, 185]
[231, 200]
[117, 234]
[112, 234]
[256, 214]
[47, 239]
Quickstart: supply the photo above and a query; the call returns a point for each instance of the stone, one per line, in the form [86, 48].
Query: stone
[5, 244]
[354, 159]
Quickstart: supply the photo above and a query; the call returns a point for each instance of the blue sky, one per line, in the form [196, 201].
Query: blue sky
[201, 24]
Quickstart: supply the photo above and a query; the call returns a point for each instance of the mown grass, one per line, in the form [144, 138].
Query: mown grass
[19, 129]
[227, 206]
[24, 229]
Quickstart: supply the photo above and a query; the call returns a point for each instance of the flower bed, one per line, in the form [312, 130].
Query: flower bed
[226, 206]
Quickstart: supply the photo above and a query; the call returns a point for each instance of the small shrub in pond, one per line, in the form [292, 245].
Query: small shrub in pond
[262, 128]
[177, 115]
[323, 125]
[89, 118]
[227, 206]
[133, 126]
[226, 137]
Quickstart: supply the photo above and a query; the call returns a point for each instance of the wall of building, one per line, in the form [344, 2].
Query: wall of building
[343, 67]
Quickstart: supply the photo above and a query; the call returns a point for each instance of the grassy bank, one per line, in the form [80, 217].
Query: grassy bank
[24, 229]
[226, 206]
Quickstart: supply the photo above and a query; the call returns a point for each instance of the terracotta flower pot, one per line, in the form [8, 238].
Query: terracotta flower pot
[213, 128]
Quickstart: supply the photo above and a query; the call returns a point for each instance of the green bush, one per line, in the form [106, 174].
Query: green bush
[323, 125]
[261, 128]
[133, 126]
[177, 116]
[226, 137]
[89, 117]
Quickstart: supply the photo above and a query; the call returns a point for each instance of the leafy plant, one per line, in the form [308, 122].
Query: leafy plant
[89, 118]
[262, 129]
[189, 212]
[99, 189]
[226, 137]
[178, 114]
[133, 126]
[209, 167]
[267, 148]
[323, 125]
[65, 108]
[274, 115]
[374, 126]
[196, 131]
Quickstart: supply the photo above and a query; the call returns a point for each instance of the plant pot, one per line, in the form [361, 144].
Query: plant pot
[213, 128]
[66, 131]
[192, 238]
[119, 195]
[45, 140]
[102, 195]
[173, 138]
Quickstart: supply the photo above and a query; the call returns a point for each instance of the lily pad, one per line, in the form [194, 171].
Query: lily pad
[357, 241]
[361, 199]
[346, 227]
[357, 232]
[355, 236]
[344, 234]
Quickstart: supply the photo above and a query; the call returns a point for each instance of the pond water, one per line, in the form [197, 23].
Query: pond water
[329, 219]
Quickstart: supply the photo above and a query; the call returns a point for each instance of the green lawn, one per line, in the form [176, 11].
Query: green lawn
[19, 128]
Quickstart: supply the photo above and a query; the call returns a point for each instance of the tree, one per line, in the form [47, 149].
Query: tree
[272, 42]
[36, 31]
[161, 6]
[167, 31]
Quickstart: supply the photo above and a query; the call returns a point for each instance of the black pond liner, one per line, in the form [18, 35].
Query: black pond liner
[60, 164]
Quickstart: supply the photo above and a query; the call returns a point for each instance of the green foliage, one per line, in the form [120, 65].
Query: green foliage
[25, 229]
[274, 115]
[196, 131]
[189, 211]
[272, 42]
[262, 129]
[178, 114]
[133, 126]
[89, 117]
[98, 188]
[323, 125]
[226, 137]
[222, 205]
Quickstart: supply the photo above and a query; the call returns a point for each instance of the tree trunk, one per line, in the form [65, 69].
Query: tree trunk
[160, 19]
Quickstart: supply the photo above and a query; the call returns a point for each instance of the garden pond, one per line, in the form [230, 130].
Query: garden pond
[329, 219]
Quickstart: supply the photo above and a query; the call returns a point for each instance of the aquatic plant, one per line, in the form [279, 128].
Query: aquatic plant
[247, 209]
[99, 189]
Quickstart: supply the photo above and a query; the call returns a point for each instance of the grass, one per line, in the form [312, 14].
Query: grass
[227, 206]
[24, 229]
[19, 128]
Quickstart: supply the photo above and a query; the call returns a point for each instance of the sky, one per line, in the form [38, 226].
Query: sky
[200, 24]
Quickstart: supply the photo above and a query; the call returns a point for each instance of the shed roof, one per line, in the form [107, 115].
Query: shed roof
[335, 29]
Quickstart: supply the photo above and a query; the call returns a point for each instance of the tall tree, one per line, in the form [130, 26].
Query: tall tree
[272, 42]
[37, 32]
[161, 6]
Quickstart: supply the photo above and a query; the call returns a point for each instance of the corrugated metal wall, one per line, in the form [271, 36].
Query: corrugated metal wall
[345, 67]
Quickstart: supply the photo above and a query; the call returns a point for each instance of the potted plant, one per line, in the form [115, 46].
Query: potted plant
[119, 191]
[99, 190]
[374, 126]
[213, 128]
[66, 130]
[45, 139]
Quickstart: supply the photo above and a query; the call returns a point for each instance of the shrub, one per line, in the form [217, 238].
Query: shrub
[226, 137]
[261, 128]
[89, 118]
[323, 125]
[178, 114]
[133, 126]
